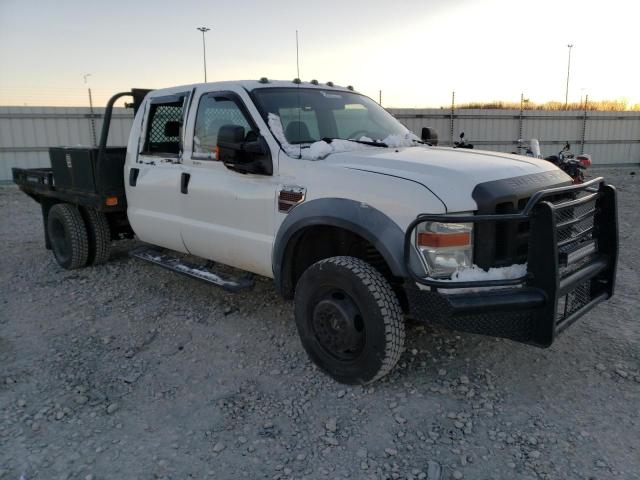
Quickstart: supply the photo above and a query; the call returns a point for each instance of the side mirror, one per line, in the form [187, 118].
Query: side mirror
[461, 134]
[243, 154]
[172, 129]
[230, 134]
[429, 135]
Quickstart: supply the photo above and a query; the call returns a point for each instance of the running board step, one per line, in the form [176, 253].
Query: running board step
[206, 274]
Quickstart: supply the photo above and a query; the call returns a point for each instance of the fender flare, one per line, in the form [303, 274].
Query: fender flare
[357, 217]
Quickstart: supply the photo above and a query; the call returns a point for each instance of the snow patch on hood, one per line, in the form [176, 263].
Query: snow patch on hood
[321, 149]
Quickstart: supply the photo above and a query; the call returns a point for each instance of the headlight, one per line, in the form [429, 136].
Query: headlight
[445, 247]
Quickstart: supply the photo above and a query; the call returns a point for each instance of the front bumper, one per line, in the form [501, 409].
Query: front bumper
[571, 266]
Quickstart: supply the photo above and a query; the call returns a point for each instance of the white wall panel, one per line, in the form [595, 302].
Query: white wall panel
[26, 133]
[611, 137]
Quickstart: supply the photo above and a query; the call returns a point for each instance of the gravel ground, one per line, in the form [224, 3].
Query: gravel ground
[127, 371]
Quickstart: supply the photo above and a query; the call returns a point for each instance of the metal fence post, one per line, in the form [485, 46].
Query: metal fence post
[453, 106]
[520, 119]
[92, 120]
[584, 125]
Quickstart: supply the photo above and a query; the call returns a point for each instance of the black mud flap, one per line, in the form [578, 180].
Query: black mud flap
[204, 273]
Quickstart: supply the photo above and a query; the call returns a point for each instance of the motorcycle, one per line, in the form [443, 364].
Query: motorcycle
[530, 149]
[462, 143]
[572, 165]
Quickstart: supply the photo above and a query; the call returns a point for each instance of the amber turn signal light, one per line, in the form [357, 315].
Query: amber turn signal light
[438, 240]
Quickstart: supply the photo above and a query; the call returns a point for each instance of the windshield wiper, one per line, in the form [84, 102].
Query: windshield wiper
[372, 143]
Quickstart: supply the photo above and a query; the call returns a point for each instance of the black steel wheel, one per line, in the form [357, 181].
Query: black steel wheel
[349, 320]
[68, 236]
[338, 325]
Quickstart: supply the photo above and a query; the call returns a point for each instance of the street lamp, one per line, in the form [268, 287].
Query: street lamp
[204, 50]
[566, 92]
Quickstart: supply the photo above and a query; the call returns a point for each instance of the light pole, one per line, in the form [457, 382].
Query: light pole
[566, 92]
[204, 50]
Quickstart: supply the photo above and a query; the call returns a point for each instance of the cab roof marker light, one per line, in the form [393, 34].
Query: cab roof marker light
[297, 81]
[314, 82]
[350, 87]
[329, 84]
[264, 80]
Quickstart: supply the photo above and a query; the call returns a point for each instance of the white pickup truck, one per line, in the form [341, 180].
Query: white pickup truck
[354, 217]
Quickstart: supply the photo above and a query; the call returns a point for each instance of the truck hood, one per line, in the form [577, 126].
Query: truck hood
[450, 174]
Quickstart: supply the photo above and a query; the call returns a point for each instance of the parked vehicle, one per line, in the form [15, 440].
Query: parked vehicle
[529, 149]
[572, 165]
[462, 143]
[355, 218]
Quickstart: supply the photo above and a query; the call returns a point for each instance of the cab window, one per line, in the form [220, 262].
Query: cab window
[164, 126]
[300, 124]
[354, 118]
[215, 111]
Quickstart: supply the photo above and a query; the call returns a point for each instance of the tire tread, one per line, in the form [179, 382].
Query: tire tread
[388, 304]
[100, 236]
[78, 238]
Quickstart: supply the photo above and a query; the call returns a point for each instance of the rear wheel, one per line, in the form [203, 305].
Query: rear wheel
[99, 236]
[349, 320]
[68, 236]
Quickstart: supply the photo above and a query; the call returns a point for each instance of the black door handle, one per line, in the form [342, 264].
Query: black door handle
[133, 176]
[184, 182]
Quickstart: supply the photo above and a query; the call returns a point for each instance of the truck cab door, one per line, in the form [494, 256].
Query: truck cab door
[153, 182]
[228, 216]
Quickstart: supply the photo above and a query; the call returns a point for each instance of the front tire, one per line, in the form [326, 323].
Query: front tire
[349, 320]
[68, 236]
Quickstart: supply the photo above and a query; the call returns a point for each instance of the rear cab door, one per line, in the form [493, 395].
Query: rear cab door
[153, 182]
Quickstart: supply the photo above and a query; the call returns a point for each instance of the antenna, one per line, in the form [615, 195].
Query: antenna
[299, 104]
[297, 57]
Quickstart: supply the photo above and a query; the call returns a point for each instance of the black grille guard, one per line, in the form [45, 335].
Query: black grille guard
[565, 277]
[541, 215]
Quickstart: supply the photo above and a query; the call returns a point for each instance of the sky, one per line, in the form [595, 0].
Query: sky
[415, 52]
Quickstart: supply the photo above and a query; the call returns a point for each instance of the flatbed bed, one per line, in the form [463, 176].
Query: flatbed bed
[89, 178]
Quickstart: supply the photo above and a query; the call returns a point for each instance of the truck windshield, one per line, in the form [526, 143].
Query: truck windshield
[312, 115]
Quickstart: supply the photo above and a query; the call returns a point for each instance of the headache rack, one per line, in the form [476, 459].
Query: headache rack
[89, 176]
[571, 260]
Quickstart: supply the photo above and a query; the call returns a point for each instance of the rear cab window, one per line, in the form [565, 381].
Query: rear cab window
[165, 126]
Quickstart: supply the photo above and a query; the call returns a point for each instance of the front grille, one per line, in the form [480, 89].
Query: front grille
[500, 244]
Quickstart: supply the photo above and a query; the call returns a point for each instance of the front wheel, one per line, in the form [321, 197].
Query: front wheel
[349, 320]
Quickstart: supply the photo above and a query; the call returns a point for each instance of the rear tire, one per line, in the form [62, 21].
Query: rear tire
[349, 320]
[68, 236]
[99, 236]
